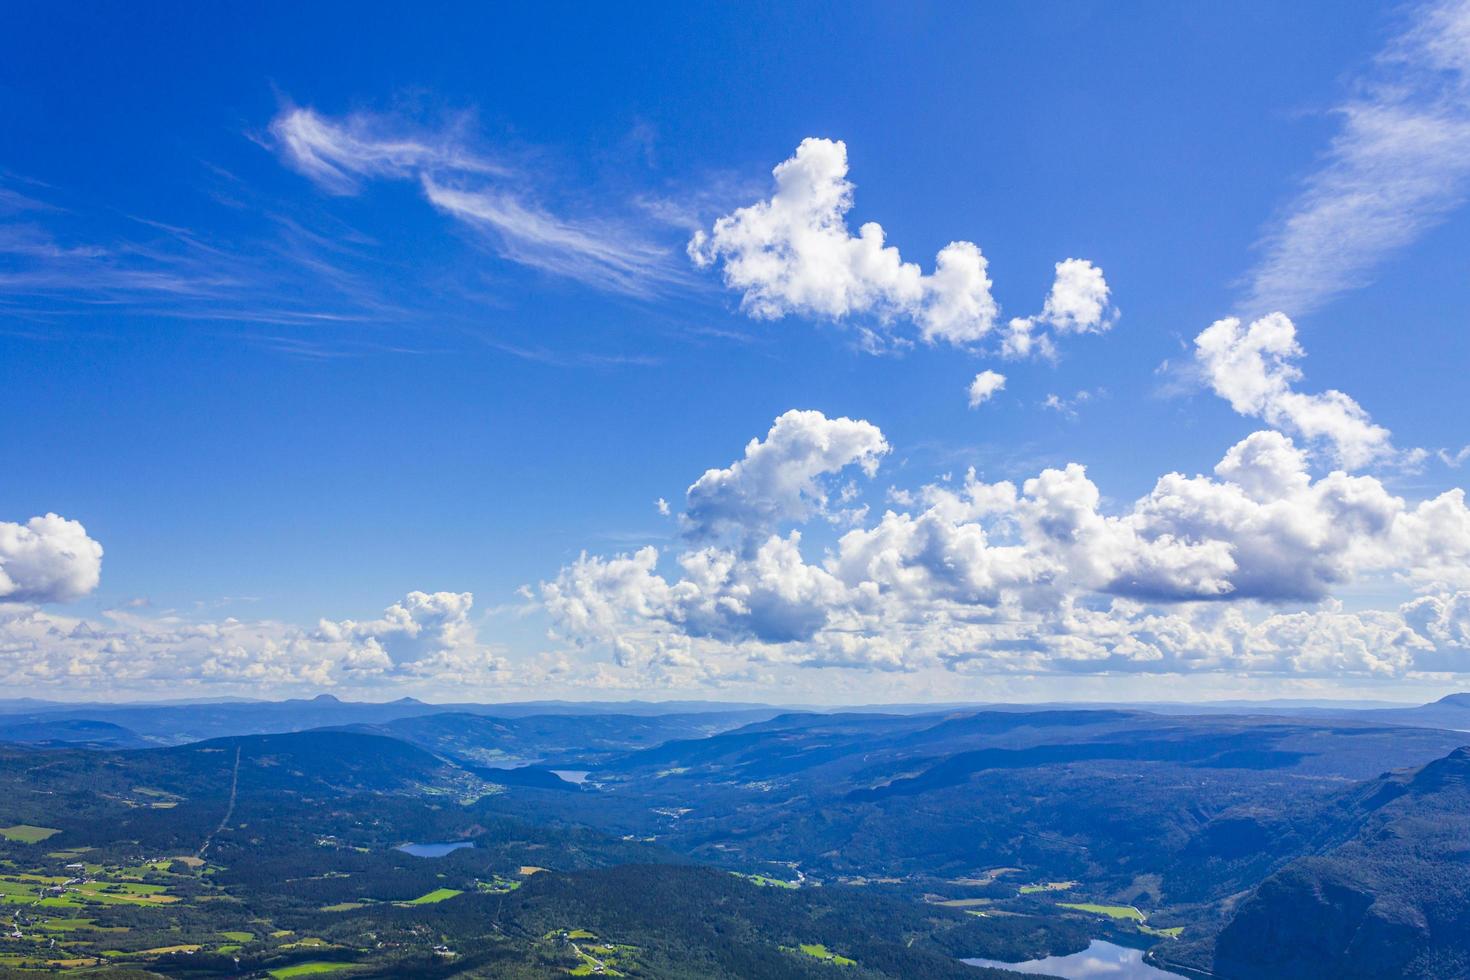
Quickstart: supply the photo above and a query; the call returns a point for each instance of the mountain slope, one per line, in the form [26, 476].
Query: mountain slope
[80, 732]
[1391, 900]
[577, 740]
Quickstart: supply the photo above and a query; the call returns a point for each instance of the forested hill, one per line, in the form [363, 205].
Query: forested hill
[855, 844]
[177, 724]
[1391, 900]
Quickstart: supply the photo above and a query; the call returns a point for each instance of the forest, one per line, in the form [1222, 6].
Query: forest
[880, 845]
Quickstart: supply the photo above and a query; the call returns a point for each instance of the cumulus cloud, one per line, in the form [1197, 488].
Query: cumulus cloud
[1442, 623]
[424, 637]
[422, 626]
[1399, 164]
[987, 385]
[793, 253]
[47, 559]
[785, 477]
[1254, 368]
[1079, 302]
[342, 154]
[1041, 578]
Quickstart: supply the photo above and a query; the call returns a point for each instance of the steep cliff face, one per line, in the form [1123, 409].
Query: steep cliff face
[1391, 900]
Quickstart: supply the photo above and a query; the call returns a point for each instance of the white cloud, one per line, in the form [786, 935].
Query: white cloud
[773, 595]
[1254, 369]
[794, 254]
[422, 626]
[1444, 622]
[340, 155]
[1079, 302]
[1398, 165]
[1067, 407]
[987, 385]
[1039, 578]
[1455, 459]
[958, 307]
[783, 478]
[47, 559]
[426, 637]
[1021, 340]
[602, 255]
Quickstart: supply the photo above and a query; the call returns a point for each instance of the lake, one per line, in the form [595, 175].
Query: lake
[1099, 961]
[433, 850]
[578, 776]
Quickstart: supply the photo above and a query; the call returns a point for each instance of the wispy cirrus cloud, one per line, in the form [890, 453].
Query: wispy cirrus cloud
[341, 155]
[62, 259]
[1399, 164]
[291, 278]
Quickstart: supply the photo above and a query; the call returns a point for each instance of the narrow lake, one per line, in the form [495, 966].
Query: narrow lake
[433, 850]
[1099, 961]
[577, 776]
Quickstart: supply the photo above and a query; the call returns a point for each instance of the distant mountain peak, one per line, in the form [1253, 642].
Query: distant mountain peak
[326, 699]
[1459, 700]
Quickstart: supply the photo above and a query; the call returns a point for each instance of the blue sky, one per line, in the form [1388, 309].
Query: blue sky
[303, 312]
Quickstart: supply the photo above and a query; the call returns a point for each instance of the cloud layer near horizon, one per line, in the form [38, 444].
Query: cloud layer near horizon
[1197, 575]
[1239, 570]
[422, 637]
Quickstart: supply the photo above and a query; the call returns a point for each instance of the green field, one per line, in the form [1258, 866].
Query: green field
[497, 885]
[66, 925]
[1048, 886]
[238, 937]
[1111, 911]
[310, 968]
[28, 833]
[821, 952]
[766, 881]
[1173, 932]
[119, 893]
[30, 889]
[437, 895]
[597, 959]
